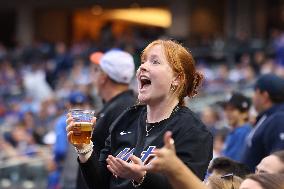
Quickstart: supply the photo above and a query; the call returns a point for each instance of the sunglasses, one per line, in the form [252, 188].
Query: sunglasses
[229, 176]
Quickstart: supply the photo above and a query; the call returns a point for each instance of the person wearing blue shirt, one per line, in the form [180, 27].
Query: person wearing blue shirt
[61, 147]
[236, 111]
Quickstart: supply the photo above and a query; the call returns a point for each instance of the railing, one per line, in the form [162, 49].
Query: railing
[26, 173]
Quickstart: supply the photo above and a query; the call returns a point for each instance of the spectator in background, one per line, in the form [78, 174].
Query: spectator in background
[279, 52]
[210, 118]
[229, 181]
[62, 168]
[112, 72]
[223, 166]
[268, 133]
[273, 163]
[219, 141]
[237, 113]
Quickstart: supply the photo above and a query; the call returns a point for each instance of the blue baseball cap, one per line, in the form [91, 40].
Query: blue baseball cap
[272, 84]
[77, 97]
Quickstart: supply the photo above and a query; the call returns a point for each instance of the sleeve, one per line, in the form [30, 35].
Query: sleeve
[274, 135]
[94, 171]
[195, 149]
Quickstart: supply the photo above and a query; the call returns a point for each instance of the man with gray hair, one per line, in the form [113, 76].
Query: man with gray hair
[112, 74]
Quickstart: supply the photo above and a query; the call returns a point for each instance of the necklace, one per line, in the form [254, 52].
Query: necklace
[150, 126]
[146, 128]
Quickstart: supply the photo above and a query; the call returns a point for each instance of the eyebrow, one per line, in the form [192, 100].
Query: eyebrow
[154, 56]
[146, 56]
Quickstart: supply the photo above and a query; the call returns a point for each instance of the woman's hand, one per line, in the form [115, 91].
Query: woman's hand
[71, 128]
[165, 158]
[123, 169]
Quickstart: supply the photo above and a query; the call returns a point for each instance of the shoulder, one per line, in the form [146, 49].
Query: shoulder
[188, 121]
[121, 102]
[186, 116]
[61, 121]
[129, 114]
[275, 120]
[130, 95]
[244, 129]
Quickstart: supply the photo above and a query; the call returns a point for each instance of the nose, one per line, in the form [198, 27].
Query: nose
[144, 66]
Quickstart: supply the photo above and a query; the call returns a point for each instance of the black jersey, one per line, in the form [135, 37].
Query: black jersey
[110, 111]
[193, 143]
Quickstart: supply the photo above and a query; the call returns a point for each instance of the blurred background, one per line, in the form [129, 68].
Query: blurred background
[44, 57]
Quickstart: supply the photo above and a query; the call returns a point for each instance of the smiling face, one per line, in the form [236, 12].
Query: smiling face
[234, 116]
[155, 77]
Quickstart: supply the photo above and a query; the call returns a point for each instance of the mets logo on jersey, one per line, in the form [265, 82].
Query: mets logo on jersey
[146, 155]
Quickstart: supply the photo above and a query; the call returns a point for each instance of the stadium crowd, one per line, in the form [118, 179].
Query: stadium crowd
[38, 82]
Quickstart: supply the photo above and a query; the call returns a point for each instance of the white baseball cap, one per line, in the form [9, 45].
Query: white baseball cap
[118, 65]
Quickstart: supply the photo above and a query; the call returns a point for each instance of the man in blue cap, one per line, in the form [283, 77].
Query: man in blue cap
[64, 172]
[268, 133]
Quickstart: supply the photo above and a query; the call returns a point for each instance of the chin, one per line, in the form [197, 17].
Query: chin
[142, 99]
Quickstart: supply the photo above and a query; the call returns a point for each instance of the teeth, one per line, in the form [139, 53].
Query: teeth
[143, 77]
[143, 80]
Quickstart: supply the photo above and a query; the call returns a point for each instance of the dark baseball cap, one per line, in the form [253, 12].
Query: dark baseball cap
[237, 100]
[272, 84]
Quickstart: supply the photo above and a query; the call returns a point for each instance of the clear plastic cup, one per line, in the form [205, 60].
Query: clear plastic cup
[83, 129]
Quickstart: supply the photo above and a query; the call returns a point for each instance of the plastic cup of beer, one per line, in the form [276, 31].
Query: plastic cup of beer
[82, 131]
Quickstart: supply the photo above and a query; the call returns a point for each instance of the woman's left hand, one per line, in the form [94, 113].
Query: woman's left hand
[123, 169]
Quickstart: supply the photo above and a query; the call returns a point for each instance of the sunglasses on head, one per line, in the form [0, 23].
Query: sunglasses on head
[229, 176]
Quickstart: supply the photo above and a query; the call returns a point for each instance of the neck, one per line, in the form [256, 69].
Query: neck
[265, 107]
[160, 111]
[240, 124]
[111, 91]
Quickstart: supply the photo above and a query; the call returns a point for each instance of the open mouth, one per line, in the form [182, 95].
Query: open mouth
[144, 82]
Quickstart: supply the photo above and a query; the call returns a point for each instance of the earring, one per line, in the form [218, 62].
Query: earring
[173, 88]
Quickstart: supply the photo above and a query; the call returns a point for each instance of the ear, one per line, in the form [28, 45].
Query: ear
[177, 80]
[103, 78]
[266, 96]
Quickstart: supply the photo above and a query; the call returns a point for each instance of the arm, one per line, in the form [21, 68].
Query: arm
[94, 171]
[182, 177]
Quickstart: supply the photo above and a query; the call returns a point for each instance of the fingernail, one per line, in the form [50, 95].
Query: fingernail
[172, 141]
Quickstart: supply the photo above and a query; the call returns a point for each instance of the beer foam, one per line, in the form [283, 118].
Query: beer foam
[85, 126]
